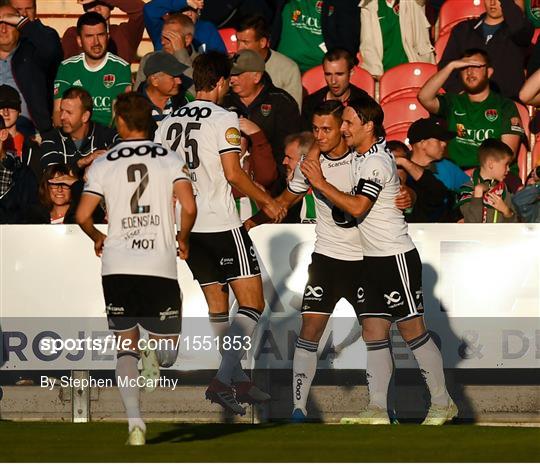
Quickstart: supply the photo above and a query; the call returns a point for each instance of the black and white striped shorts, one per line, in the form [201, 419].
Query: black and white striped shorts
[393, 286]
[221, 257]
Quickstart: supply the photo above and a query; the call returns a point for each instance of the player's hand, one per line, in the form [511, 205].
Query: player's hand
[183, 249]
[312, 170]
[314, 152]
[99, 242]
[178, 42]
[405, 198]
[249, 224]
[274, 210]
[248, 127]
[197, 4]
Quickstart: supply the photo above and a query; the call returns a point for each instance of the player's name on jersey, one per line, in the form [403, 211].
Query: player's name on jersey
[145, 220]
[121, 382]
[141, 150]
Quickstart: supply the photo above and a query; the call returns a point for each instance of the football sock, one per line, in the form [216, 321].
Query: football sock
[304, 368]
[126, 367]
[219, 322]
[243, 325]
[430, 362]
[378, 371]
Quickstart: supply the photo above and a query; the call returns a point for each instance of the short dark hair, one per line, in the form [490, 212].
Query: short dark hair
[476, 51]
[135, 110]
[494, 149]
[82, 94]
[208, 68]
[256, 22]
[337, 54]
[394, 144]
[330, 107]
[368, 110]
[91, 18]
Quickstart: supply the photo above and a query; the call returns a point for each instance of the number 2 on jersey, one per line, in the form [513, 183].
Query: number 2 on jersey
[191, 147]
[142, 170]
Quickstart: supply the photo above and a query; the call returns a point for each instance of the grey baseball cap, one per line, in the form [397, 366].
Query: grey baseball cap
[247, 60]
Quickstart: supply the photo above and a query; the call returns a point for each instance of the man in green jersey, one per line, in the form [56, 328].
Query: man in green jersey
[101, 73]
[475, 115]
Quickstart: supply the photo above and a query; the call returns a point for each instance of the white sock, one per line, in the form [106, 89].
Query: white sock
[219, 322]
[242, 326]
[430, 361]
[126, 366]
[304, 368]
[378, 371]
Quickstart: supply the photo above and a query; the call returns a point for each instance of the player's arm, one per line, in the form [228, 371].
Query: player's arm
[286, 199]
[236, 176]
[184, 194]
[87, 205]
[356, 205]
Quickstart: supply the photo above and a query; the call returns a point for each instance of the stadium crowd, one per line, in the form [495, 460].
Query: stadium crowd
[417, 58]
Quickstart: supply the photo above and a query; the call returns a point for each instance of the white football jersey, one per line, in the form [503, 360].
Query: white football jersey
[336, 232]
[384, 230]
[200, 132]
[136, 179]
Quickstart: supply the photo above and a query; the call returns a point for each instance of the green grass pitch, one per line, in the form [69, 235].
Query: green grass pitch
[95, 442]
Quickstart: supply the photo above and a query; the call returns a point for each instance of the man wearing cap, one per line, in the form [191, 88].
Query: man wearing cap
[271, 108]
[163, 84]
[79, 141]
[103, 74]
[125, 37]
[434, 179]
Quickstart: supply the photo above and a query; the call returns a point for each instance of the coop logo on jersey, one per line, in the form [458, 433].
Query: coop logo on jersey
[232, 136]
[109, 80]
[266, 109]
[491, 114]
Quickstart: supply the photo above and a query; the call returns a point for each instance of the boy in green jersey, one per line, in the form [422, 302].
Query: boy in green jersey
[101, 73]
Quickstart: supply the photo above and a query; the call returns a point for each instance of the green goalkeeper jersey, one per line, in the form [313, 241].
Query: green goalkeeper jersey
[103, 82]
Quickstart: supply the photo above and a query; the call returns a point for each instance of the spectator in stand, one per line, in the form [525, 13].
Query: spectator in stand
[435, 180]
[163, 84]
[505, 33]
[258, 162]
[124, 37]
[23, 146]
[29, 56]
[254, 96]
[305, 30]
[228, 14]
[475, 115]
[101, 73]
[393, 32]
[41, 33]
[206, 34]
[486, 198]
[527, 201]
[18, 185]
[59, 194]
[254, 33]
[338, 67]
[79, 141]
[177, 40]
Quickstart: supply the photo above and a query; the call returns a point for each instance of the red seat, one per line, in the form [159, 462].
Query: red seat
[440, 45]
[404, 80]
[400, 113]
[455, 11]
[535, 36]
[313, 80]
[229, 38]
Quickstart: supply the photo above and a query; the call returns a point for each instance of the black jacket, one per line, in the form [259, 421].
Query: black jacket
[340, 25]
[34, 65]
[312, 101]
[507, 49]
[57, 147]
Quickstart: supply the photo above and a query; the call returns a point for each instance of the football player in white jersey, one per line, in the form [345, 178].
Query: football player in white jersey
[222, 253]
[393, 268]
[137, 179]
